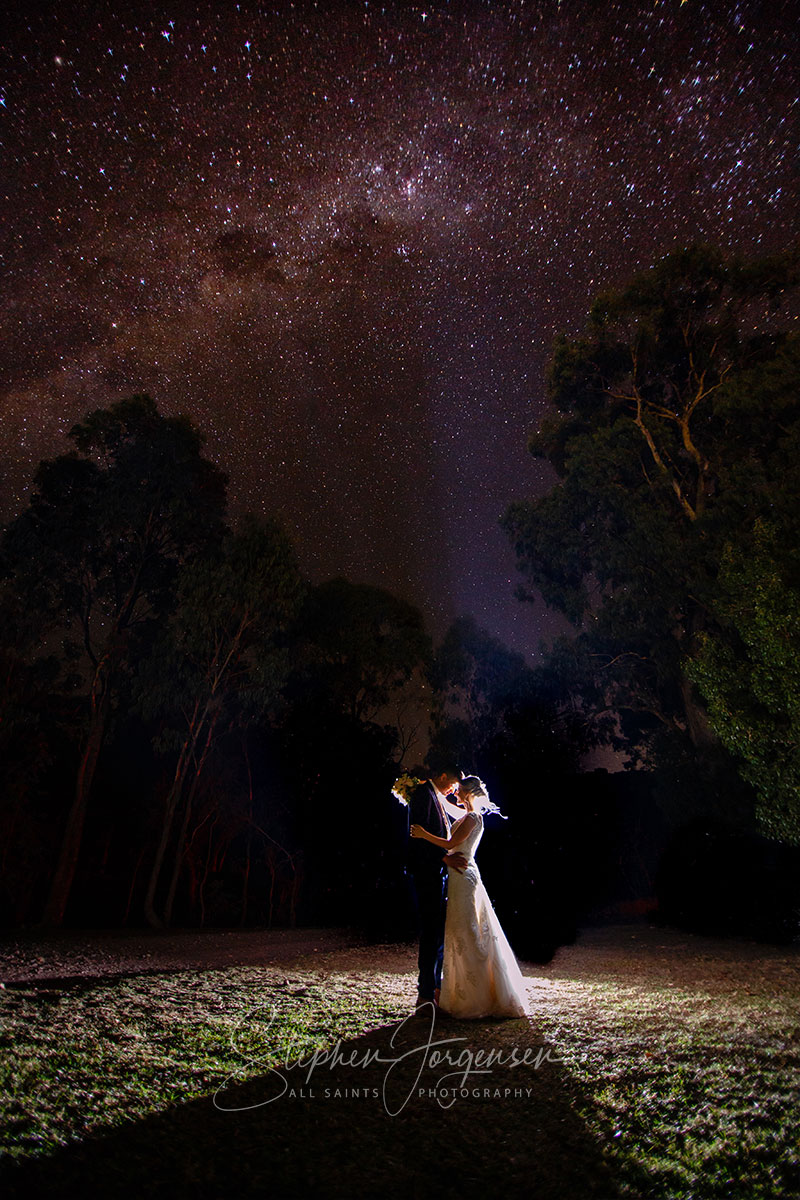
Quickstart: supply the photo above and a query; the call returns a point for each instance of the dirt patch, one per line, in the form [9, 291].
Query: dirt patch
[31, 956]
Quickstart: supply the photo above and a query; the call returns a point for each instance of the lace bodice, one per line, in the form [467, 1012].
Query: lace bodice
[470, 843]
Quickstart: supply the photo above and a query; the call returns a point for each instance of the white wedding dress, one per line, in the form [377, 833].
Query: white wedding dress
[480, 975]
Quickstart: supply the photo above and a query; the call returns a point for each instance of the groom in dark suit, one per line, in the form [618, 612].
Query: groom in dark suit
[426, 865]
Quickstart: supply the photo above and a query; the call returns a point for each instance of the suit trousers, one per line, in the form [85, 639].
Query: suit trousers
[431, 893]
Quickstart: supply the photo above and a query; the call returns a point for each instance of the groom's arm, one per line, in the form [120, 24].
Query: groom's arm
[456, 860]
[459, 834]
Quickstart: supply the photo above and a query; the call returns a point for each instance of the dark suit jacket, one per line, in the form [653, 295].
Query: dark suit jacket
[423, 858]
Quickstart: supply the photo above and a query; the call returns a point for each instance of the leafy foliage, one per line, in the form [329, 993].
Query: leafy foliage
[224, 647]
[106, 526]
[749, 674]
[493, 707]
[361, 645]
[677, 417]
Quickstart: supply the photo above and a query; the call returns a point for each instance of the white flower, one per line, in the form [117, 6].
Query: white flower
[404, 786]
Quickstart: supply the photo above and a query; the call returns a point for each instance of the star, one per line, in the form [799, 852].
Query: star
[346, 256]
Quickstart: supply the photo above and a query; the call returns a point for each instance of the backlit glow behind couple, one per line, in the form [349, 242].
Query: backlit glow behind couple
[466, 966]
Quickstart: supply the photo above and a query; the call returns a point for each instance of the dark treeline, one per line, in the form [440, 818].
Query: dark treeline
[194, 734]
[191, 733]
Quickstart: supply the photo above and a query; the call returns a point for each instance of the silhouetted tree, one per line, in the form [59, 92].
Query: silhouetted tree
[359, 650]
[219, 663]
[477, 681]
[361, 645]
[94, 555]
[33, 708]
[663, 454]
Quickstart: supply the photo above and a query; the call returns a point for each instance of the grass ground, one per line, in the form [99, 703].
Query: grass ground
[657, 1065]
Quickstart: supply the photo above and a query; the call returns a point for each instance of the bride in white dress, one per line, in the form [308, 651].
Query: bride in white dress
[480, 976]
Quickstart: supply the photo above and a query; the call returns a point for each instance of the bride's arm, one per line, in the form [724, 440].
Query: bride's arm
[458, 834]
[453, 810]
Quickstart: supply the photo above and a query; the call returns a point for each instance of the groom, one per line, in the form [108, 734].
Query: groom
[429, 876]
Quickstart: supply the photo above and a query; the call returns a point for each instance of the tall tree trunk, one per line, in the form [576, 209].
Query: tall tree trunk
[180, 849]
[150, 914]
[178, 856]
[697, 723]
[113, 653]
[61, 883]
[173, 799]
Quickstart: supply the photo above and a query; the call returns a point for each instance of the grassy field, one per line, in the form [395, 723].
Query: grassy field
[656, 1065]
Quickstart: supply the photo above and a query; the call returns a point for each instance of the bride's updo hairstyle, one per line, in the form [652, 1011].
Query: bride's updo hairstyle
[476, 790]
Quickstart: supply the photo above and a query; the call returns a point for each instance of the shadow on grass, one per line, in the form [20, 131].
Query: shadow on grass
[513, 1131]
[52, 987]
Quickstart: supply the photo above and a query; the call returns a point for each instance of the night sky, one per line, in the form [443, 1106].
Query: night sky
[342, 238]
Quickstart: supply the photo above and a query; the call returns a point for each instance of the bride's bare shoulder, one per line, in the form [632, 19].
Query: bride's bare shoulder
[468, 818]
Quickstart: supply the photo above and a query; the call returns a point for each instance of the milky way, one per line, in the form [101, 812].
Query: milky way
[342, 239]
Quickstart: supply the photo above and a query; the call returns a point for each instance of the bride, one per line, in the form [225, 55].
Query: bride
[480, 976]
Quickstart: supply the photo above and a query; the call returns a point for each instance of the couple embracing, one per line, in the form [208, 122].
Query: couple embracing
[466, 966]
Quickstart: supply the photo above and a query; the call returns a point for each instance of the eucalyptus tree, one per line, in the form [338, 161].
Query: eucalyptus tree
[675, 421]
[219, 664]
[94, 555]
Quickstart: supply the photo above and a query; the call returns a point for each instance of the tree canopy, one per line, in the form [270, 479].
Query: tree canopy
[748, 671]
[361, 645]
[676, 427]
[94, 556]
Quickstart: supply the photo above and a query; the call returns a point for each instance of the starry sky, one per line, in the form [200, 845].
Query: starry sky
[342, 237]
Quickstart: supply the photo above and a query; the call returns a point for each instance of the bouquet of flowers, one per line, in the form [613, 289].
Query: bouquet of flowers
[404, 786]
